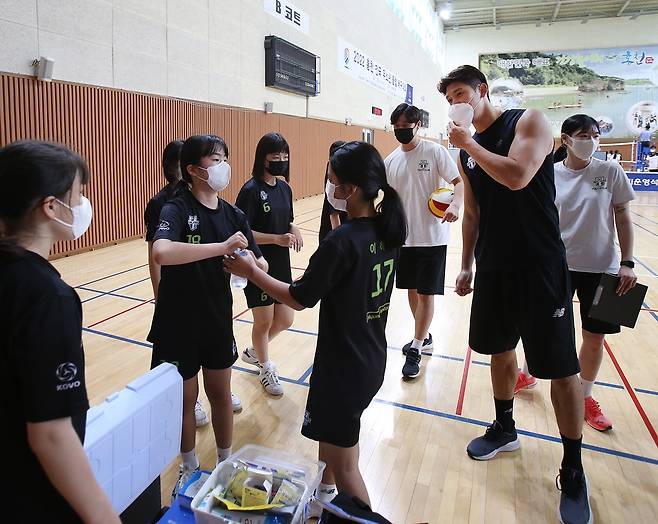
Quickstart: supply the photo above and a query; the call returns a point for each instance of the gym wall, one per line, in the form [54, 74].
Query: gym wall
[122, 134]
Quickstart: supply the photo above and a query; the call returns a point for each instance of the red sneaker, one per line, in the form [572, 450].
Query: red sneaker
[595, 417]
[524, 382]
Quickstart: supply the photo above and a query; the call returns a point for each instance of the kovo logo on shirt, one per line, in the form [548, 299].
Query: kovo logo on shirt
[164, 226]
[66, 373]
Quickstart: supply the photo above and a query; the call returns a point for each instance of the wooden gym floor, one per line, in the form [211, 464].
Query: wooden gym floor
[414, 434]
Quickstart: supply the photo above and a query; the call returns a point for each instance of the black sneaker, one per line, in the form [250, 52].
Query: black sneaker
[574, 500]
[428, 345]
[494, 440]
[411, 368]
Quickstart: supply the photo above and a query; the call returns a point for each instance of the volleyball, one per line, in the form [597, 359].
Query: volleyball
[439, 201]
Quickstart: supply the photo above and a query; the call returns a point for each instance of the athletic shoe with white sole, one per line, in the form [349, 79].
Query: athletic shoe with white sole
[249, 356]
[200, 415]
[494, 440]
[411, 368]
[574, 505]
[270, 381]
[237, 404]
[184, 473]
[428, 345]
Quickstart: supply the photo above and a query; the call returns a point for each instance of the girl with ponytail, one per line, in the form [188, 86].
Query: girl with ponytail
[352, 273]
[45, 405]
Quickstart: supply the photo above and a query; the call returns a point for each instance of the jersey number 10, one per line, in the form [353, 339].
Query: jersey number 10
[377, 269]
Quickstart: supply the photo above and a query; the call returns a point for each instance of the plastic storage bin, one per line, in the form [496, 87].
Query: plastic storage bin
[305, 470]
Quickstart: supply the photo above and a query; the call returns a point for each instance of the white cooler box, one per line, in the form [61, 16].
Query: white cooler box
[135, 434]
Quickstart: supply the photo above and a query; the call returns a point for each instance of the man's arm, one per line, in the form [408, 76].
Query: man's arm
[533, 140]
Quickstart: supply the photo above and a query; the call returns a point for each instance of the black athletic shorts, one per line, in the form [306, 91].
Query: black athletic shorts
[422, 269]
[279, 268]
[191, 356]
[584, 285]
[533, 305]
[336, 418]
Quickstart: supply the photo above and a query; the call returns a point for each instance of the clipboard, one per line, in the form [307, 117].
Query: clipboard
[610, 307]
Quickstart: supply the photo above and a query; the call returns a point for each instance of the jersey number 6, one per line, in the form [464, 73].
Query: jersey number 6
[266, 207]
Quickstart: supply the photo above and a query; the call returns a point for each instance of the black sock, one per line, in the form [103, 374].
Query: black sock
[571, 458]
[504, 413]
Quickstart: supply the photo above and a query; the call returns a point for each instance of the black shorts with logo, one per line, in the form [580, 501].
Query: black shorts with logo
[279, 268]
[532, 305]
[191, 356]
[422, 269]
[584, 285]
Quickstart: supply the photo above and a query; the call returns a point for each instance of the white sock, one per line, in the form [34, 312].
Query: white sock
[190, 459]
[587, 386]
[266, 365]
[326, 492]
[416, 344]
[223, 454]
[525, 368]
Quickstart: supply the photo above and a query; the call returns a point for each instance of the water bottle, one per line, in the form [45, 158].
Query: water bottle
[236, 281]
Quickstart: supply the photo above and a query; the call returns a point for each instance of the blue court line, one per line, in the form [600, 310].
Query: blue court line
[112, 291]
[647, 391]
[445, 357]
[306, 374]
[541, 436]
[409, 407]
[110, 276]
[108, 293]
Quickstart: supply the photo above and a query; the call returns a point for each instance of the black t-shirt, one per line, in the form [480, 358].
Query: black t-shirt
[194, 300]
[43, 368]
[269, 210]
[518, 229]
[325, 220]
[153, 208]
[353, 275]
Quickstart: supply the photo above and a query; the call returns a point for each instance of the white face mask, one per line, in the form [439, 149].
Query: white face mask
[584, 148]
[82, 214]
[339, 204]
[219, 175]
[462, 114]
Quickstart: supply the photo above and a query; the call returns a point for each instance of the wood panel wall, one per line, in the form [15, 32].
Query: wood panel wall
[122, 134]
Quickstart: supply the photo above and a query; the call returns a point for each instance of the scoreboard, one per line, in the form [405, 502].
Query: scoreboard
[290, 67]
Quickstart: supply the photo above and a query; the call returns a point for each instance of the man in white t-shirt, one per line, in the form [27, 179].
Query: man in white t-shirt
[415, 170]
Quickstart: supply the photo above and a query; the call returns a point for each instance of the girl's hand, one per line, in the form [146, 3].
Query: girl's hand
[241, 265]
[299, 240]
[235, 241]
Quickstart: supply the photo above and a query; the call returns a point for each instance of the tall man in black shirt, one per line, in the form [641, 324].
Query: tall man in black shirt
[521, 289]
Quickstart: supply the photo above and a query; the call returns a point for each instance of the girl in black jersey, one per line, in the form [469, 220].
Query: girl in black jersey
[192, 326]
[45, 406]
[331, 218]
[171, 169]
[266, 199]
[352, 273]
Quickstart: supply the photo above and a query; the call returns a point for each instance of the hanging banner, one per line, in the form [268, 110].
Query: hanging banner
[359, 65]
[616, 86]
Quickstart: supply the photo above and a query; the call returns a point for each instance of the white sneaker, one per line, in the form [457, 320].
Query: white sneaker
[270, 381]
[237, 404]
[184, 473]
[249, 356]
[314, 509]
[200, 415]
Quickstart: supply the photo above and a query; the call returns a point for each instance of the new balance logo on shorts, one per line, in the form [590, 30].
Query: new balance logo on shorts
[559, 312]
[307, 418]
